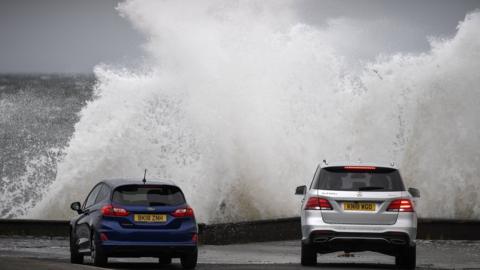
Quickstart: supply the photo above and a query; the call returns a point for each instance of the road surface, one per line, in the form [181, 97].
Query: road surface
[52, 253]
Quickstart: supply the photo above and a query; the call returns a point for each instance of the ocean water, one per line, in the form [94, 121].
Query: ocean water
[37, 117]
[238, 102]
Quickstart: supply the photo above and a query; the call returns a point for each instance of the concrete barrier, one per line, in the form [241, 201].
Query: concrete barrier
[448, 229]
[251, 231]
[32, 227]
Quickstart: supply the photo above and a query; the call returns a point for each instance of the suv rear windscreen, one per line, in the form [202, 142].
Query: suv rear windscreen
[148, 195]
[370, 179]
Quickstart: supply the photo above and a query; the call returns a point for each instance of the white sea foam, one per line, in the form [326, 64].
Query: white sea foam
[239, 101]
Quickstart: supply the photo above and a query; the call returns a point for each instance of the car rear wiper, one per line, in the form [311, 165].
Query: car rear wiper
[157, 204]
[369, 188]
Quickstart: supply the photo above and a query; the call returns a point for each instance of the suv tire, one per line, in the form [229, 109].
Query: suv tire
[189, 260]
[407, 258]
[309, 255]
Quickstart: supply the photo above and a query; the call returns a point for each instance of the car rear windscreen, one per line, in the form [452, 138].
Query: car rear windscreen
[163, 195]
[342, 179]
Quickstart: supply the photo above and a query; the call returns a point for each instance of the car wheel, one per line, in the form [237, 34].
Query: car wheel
[75, 256]
[309, 255]
[407, 258]
[98, 257]
[189, 260]
[165, 260]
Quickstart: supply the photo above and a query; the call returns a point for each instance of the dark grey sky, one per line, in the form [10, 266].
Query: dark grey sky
[75, 35]
[64, 35]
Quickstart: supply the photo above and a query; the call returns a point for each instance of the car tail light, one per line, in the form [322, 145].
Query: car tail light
[194, 237]
[111, 211]
[401, 205]
[316, 203]
[183, 212]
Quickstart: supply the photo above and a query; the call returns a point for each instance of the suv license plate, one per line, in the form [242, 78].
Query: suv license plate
[149, 218]
[359, 206]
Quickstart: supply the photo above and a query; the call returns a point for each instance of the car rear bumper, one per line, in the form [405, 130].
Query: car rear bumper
[147, 249]
[133, 241]
[115, 232]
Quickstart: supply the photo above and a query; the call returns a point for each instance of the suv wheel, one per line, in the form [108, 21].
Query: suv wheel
[309, 255]
[75, 256]
[98, 257]
[189, 260]
[407, 258]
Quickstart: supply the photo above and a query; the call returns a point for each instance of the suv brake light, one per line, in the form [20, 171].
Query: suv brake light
[111, 211]
[366, 168]
[401, 205]
[316, 203]
[183, 212]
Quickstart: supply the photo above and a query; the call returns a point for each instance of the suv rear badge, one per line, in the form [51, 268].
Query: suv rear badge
[150, 209]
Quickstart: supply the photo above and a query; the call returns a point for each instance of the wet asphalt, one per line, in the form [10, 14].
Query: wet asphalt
[52, 253]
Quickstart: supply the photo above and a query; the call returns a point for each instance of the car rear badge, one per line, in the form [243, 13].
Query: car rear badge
[150, 209]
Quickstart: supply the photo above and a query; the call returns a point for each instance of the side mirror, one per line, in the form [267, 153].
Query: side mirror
[414, 192]
[76, 206]
[300, 190]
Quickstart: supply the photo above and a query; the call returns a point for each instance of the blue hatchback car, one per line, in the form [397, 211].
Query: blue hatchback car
[129, 218]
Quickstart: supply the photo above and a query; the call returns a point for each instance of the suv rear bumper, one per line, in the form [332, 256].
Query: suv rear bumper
[390, 243]
[405, 226]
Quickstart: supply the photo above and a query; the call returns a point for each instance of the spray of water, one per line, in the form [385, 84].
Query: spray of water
[239, 101]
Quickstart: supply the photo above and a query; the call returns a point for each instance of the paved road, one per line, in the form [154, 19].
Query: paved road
[52, 253]
[9, 263]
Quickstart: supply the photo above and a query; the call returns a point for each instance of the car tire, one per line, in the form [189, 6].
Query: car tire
[75, 256]
[165, 260]
[189, 260]
[309, 255]
[407, 258]
[98, 256]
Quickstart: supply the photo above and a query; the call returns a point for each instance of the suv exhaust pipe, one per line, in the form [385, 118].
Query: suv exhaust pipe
[398, 241]
[320, 240]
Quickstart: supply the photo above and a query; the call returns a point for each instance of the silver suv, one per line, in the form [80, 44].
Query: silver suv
[355, 208]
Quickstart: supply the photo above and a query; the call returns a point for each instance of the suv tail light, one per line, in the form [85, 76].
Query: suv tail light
[111, 211]
[401, 205]
[316, 203]
[183, 212]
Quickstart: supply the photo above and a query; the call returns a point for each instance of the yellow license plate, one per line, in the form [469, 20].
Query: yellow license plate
[359, 206]
[149, 218]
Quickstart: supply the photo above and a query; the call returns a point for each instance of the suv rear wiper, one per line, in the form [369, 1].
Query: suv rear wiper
[369, 188]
